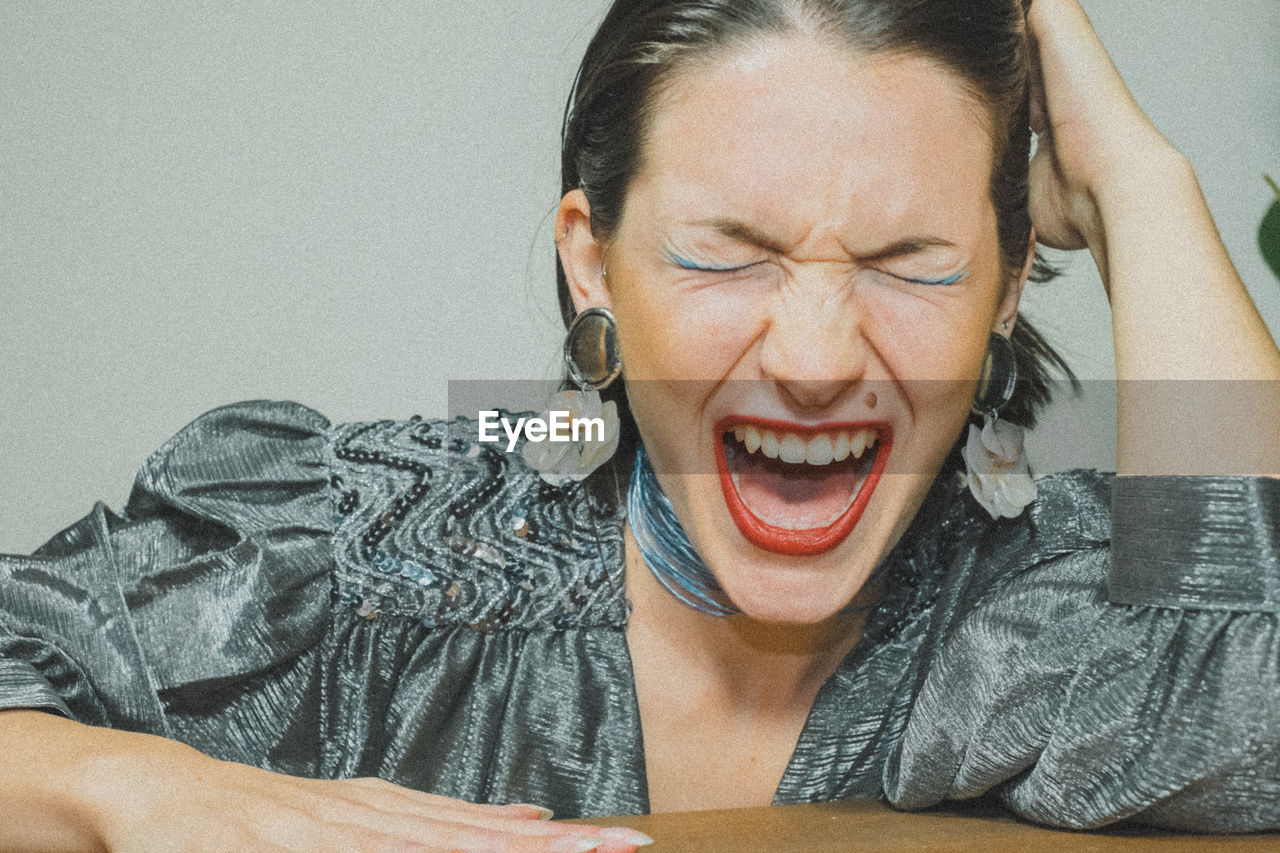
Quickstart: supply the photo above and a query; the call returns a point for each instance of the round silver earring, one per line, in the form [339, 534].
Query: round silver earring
[591, 353]
[998, 379]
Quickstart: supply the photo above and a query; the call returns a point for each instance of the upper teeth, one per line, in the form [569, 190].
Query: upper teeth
[819, 449]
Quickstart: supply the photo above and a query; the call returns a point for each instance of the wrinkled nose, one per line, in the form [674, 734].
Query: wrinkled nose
[814, 350]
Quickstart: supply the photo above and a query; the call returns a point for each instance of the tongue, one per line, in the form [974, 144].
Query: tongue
[793, 496]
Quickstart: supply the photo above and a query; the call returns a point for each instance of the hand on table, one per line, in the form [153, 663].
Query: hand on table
[199, 803]
[69, 786]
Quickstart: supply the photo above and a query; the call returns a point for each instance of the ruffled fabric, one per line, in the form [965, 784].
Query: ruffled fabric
[371, 599]
[1077, 711]
[397, 599]
[216, 573]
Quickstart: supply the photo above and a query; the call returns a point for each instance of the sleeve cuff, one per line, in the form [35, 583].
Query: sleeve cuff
[1196, 543]
[22, 687]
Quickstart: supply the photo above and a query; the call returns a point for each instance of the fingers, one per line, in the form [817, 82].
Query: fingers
[353, 831]
[574, 839]
[1039, 113]
[437, 836]
[398, 797]
[621, 839]
[1052, 212]
[240, 807]
[311, 834]
[1091, 133]
[379, 806]
[379, 803]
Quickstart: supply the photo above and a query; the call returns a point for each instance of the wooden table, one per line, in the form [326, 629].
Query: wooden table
[873, 826]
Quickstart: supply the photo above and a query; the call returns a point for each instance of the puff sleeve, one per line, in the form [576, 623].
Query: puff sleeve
[1136, 679]
[216, 570]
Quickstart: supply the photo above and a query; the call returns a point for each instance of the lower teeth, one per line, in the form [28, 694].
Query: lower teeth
[863, 467]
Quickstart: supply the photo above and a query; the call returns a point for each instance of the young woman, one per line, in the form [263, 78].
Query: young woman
[799, 230]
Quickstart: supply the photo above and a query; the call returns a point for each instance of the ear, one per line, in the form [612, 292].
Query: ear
[1007, 313]
[581, 256]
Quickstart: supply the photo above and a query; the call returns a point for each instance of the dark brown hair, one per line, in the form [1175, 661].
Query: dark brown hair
[642, 43]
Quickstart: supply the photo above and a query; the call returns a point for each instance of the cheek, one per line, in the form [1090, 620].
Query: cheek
[928, 337]
[684, 335]
[932, 346]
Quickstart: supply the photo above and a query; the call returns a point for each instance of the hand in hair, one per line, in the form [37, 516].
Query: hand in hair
[1103, 178]
[1090, 130]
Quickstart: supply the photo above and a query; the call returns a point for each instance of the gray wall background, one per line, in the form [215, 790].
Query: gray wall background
[348, 204]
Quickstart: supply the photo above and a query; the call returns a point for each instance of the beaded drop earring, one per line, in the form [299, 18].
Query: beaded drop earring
[996, 470]
[593, 361]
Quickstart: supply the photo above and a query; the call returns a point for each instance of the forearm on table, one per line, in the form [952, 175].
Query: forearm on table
[57, 775]
[1198, 372]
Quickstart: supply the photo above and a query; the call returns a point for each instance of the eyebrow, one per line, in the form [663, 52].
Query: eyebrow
[912, 246]
[743, 233]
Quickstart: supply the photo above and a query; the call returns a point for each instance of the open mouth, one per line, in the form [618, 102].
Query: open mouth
[799, 490]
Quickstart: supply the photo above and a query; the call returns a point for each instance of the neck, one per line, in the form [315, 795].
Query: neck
[740, 661]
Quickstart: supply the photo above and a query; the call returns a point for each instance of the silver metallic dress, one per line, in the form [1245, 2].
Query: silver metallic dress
[392, 599]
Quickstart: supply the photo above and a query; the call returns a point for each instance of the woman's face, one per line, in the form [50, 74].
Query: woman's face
[806, 262]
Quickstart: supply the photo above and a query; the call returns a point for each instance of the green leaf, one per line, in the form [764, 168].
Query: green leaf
[1269, 233]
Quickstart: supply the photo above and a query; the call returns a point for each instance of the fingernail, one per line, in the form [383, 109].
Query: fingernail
[625, 835]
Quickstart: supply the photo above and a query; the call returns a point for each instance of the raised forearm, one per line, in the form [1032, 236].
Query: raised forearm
[1198, 372]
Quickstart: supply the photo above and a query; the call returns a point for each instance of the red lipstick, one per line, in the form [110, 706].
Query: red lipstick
[807, 541]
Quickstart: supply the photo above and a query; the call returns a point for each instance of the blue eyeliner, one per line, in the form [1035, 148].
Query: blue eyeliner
[686, 264]
[690, 265]
[951, 279]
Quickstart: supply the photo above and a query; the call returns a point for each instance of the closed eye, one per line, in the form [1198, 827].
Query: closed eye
[933, 282]
[686, 264]
[696, 268]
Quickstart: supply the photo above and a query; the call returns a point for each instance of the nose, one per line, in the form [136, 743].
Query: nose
[814, 349]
